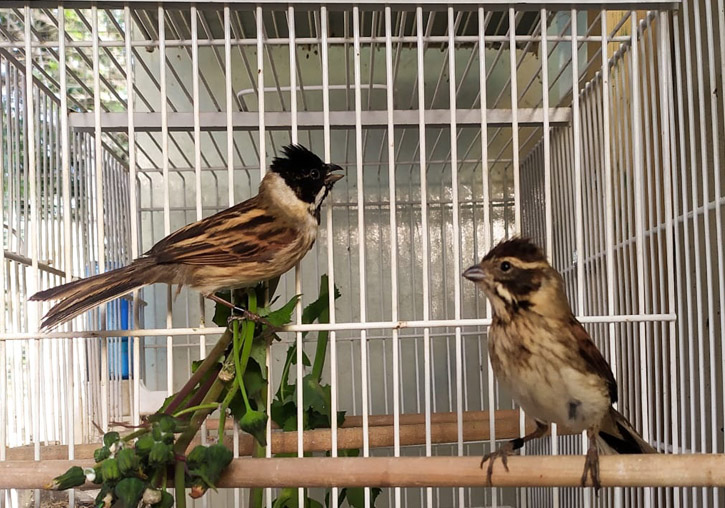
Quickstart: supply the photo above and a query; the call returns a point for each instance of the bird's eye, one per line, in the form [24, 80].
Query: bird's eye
[505, 266]
[314, 174]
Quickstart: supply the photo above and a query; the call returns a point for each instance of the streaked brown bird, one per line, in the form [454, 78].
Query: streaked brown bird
[251, 242]
[545, 358]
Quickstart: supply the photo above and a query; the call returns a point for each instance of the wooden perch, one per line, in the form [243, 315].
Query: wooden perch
[705, 470]
[444, 429]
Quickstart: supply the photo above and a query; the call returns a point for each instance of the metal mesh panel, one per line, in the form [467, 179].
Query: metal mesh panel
[595, 132]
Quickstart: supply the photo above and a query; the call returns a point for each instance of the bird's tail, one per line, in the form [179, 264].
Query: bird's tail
[81, 295]
[616, 435]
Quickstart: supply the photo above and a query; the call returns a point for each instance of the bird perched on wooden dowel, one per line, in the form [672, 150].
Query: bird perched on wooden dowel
[545, 358]
[251, 242]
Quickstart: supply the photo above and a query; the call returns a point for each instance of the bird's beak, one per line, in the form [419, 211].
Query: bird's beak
[475, 273]
[331, 178]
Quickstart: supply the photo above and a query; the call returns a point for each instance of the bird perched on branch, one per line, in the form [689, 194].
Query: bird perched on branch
[251, 242]
[545, 358]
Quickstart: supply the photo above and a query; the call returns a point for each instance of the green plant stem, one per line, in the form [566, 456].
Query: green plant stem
[285, 373]
[180, 483]
[243, 346]
[183, 441]
[321, 350]
[248, 331]
[212, 406]
[239, 375]
[210, 361]
[223, 410]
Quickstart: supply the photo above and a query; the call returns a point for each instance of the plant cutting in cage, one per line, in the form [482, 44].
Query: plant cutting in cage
[137, 467]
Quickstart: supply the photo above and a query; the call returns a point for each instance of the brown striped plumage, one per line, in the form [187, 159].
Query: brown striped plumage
[253, 241]
[545, 358]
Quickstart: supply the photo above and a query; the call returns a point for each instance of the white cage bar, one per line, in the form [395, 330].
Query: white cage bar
[597, 131]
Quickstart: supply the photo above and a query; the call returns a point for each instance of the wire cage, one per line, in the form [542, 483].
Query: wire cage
[595, 131]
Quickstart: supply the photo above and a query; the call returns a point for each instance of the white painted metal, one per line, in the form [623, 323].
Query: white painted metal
[583, 142]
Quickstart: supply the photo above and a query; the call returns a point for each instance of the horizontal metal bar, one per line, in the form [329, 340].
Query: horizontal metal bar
[24, 260]
[331, 41]
[245, 120]
[372, 325]
[346, 4]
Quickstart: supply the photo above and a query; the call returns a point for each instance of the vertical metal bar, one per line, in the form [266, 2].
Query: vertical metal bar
[298, 275]
[716, 172]
[262, 170]
[133, 212]
[424, 236]
[487, 235]
[324, 29]
[361, 237]
[456, 232]
[578, 205]
[167, 193]
[548, 212]
[67, 253]
[609, 207]
[5, 409]
[389, 80]
[639, 227]
[514, 119]
[260, 91]
[229, 102]
[33, 226]
[718, 206]
[194, 29]
[100, 224]
[677, 347]
[665, 83]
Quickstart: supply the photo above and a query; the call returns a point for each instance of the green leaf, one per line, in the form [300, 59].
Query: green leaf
[313, 311]
[258, 353]
[222, 312]
[254, 382]
[288, 498]
[305, 359]
[316, 396]
[237, 407]
[356, 496]
[129, 491]
[283, 411]
[167, 501]
[283, 315]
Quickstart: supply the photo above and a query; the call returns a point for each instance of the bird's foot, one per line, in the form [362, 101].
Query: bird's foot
[591, 467]
[503, 453]
[245, 315]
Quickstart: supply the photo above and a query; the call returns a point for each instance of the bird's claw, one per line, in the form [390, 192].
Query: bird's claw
[591, 466]
[245, 315]
[503, 453]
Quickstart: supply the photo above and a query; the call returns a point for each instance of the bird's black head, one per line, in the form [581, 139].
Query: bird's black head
[305, 173]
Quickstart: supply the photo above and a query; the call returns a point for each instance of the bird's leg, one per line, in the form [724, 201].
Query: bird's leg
[591, 465]
[509, 447]
[244, 313]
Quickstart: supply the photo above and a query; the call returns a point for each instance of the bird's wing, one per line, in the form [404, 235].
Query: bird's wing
[244, 233]
[593, 359]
